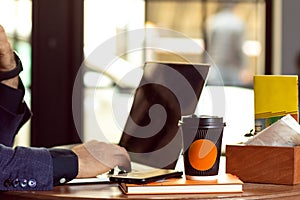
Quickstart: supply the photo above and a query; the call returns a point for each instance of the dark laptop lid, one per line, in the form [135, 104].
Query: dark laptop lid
[167, 91]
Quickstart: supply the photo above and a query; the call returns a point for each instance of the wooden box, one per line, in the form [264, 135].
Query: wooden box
[264, 164]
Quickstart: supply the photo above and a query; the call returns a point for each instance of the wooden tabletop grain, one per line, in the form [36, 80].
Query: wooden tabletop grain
[111, 191]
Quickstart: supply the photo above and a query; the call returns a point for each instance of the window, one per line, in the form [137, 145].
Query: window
[232, 31]
[191, 18]
[15, 17]
[103, 20]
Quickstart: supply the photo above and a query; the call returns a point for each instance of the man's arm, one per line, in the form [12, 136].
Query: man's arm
[41, 167]
[63, 163]
[25, 169]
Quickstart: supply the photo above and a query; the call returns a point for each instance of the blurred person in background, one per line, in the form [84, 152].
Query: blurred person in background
[225, 39]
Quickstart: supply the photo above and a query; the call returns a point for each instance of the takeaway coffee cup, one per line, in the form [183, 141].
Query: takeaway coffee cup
[202, 141]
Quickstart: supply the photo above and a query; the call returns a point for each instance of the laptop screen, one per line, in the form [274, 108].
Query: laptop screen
[167, 91]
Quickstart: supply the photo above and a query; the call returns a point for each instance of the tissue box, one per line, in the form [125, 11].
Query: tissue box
[264, 164]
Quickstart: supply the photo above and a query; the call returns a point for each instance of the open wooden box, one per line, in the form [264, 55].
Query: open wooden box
[264, 164]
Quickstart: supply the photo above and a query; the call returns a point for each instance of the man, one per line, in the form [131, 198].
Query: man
[226, 33]
[25, 168]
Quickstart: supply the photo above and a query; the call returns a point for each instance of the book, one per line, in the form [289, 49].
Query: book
[274, 97]
[225, 183]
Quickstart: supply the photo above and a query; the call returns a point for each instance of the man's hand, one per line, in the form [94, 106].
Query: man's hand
[7, 59]
[96, 158]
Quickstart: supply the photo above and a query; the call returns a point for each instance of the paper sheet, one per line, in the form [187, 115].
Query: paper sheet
[284, 132]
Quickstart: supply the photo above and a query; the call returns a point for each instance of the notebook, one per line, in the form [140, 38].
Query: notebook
[275, 96]
[167, 91]
[224, 183]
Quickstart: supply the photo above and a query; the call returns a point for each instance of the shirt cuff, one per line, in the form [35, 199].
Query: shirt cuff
[11, 98]
[65, 165]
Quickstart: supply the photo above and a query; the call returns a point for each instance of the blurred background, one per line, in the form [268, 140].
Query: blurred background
[53, 37]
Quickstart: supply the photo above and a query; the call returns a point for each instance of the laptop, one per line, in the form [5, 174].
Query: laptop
[167, 91]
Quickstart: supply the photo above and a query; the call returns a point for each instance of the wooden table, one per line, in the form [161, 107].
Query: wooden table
[111, 191]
